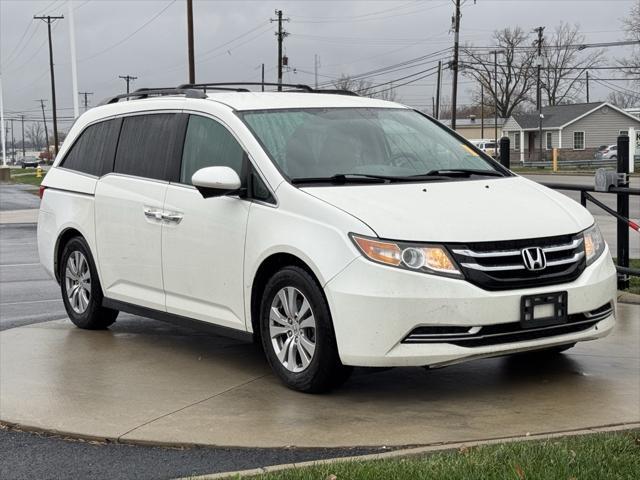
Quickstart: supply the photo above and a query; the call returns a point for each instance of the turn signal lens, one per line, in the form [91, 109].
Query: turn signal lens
[593, 244]
[428, 259]
[382, 252]
[438, 260]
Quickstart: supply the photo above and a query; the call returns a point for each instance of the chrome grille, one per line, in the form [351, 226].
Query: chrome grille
[500, 265]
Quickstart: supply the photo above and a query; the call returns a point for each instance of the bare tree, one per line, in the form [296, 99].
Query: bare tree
[35, 135]
[565, 64]
[515, 79]
[623, 99]
[631, 27]
[366, 89]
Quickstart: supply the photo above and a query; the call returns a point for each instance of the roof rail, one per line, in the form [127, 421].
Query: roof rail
[154, 92]
[295, 86]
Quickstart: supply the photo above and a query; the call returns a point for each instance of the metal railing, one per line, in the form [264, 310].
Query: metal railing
[614, 183]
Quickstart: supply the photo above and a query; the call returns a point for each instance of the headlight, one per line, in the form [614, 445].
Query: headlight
[593, 244]
[432, 259]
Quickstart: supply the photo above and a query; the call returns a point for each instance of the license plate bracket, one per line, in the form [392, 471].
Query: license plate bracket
[543, 310]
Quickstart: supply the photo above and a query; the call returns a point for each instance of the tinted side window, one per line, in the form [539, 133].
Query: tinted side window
[150, 145]
[209, 144]
[94, 151]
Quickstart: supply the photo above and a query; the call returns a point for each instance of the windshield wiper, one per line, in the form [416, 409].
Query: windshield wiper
[343, 178]
[462, 172]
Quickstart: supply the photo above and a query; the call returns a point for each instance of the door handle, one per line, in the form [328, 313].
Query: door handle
[172, 217]
[153, 213]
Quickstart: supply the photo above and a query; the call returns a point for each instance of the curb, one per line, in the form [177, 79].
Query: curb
[414, 451]
[629, 298]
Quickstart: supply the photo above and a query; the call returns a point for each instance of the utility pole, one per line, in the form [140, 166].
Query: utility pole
[438, 85]
[539, 90]
[49, 20]
[86, 102]
[44, 120]
[481, 110]
[495, 90]
[13, 144]
[127, 78]
[280, 34]
[22, 121]
[587, 86]
[192, 65]
[316, 64]
[263, 77]
[454, 66]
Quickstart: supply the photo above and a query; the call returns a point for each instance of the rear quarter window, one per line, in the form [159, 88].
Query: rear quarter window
[94, 150]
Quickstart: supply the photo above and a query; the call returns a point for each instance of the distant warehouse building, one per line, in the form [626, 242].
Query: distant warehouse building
[576, 130]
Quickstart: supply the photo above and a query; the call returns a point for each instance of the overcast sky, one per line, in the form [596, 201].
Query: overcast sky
[148, 39]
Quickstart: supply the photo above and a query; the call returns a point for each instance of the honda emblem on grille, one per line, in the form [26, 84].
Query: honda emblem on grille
[534, 258]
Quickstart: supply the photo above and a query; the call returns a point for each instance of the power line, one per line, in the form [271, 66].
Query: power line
[9, 57]
[394, 67]
[368, 17]
[120, 42]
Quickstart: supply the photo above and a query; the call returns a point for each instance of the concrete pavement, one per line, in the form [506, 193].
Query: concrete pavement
[206, 390]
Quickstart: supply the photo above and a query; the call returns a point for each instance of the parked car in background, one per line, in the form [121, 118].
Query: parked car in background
[607, 153]
[30, 162]
[336, 230]
[487, 146]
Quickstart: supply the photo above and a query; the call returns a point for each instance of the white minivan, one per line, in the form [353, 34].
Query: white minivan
[336, 230]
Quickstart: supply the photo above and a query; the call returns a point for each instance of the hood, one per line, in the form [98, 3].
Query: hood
[459, 211]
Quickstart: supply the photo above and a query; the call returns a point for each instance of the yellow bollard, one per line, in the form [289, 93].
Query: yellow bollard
[555, 159]
[38, 171]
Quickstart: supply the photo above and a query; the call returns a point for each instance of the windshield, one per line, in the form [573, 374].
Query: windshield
[323, 143]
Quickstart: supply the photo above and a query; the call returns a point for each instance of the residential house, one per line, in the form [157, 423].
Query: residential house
[576, 130]
[474, 128]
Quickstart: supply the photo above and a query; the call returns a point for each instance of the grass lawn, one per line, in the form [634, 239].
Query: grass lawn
[26, 175]
[590, 457]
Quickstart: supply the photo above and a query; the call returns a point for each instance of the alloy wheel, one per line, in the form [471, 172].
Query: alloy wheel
[292, 328]
[77, 279]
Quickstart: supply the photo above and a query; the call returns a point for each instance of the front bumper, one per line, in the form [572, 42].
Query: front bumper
[375, 307]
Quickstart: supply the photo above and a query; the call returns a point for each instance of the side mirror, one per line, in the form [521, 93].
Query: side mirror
[216, 181]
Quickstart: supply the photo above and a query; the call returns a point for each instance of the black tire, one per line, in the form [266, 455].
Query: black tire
[94, 316]
[613, 157]
[324, 371]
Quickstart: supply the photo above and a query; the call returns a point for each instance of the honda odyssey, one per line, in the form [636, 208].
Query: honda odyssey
[336, 230]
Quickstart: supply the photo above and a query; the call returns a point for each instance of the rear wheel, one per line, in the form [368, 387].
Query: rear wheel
[297, 333]
[81, 290]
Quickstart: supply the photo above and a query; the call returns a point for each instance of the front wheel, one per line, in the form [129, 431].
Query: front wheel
[81, 290]
[297, 333]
